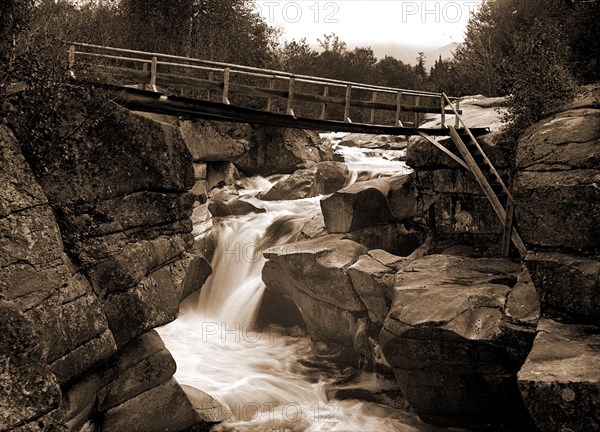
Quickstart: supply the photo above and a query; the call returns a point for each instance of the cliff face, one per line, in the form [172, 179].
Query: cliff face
[96, 253]
[558, 209]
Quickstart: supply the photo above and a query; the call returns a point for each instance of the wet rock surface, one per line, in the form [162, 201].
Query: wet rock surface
[125, 225]
[560, 381]
[452, 348]
[568, 285]
[322, 179]
[281, 151]
[557, 181]
[370, 203]
[187, 408]
[28, 390]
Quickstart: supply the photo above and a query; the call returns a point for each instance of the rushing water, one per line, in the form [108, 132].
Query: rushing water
[266, 380]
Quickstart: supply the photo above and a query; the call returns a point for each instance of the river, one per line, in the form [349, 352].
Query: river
[267, 380]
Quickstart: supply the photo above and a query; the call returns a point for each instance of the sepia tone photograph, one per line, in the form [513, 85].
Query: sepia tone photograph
[299, 216]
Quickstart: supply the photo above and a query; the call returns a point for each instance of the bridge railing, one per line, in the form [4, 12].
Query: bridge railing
[282, 91]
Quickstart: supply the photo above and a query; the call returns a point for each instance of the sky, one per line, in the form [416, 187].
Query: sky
[423, 23]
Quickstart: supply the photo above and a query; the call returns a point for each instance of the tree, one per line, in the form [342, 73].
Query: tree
[532, 51]
[362, 64]
[420, 67]
[298, 57]
[441, 76]
[222, 30]
[14, 17]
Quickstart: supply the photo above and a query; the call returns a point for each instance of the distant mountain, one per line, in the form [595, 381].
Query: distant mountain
[447, 52]
[408, 54]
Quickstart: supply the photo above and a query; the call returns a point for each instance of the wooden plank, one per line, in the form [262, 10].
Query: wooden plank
[71, 56]
[508, 227]
[210, 92]
[347, 103]
[153, 72]
[480, 150]
[446, 151]
[374, 100]
[324, 104]
[443, 111]
[417, 118]
[398, 109]
[290, 97]
[270, 98]
[487, 189]
[225, 98]
[456, 118]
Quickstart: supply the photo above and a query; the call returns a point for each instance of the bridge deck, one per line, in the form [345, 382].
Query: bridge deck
[227, 92]
[156, 102]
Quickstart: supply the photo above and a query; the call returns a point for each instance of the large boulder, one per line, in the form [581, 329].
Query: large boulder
[396, 238]
[370, 203]
[301, 184]
[331, 177]
[166, 407]
[131, 152]
[313, 274]
[453, 350]
[212, 141]
[322, 179]
[141, 365]
[153, 302]
[568, 285]
[373, 282]
[224, 204]
[79, 401]
[198, 271]
[556, 186]
[281, 151]
[28, 390]
[560, 381]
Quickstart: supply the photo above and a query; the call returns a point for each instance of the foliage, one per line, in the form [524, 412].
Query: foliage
[13, 20]
[536, 52]
[222, 30]
[49, 110]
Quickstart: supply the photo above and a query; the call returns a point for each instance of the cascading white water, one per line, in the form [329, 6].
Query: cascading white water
[232, 294]
[265, 379]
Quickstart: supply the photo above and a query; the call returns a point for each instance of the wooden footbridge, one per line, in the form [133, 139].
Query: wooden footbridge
[202, 89]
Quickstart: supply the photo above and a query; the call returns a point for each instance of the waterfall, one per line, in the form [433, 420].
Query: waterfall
[265, 379]
[232, 294]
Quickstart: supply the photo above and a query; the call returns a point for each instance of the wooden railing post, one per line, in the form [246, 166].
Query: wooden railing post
[374, 100]
[398, 109]
[291, 90]
[270, 100]
[153, 72]
[225, 98]
[347, 104]
[324, 105]
[417, 117]
[443, 111]
[456, 117]
[211, 77]
[71, 56]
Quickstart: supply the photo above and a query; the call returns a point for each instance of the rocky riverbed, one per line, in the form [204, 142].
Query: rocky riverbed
[388, 274]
